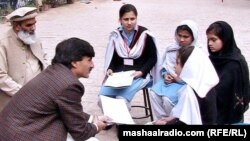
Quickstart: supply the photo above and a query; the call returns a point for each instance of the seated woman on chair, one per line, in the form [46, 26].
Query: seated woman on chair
[130, 47]
[196, 70]
[163, 93]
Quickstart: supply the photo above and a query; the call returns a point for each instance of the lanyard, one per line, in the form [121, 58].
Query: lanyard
[126, 45]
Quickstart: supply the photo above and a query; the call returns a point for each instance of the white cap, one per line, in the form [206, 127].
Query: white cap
[22, 13]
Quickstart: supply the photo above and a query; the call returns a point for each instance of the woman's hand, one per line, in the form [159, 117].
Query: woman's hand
[168, 78]
[109, 72]
[137, 74]
[163, 120]
[160, 122]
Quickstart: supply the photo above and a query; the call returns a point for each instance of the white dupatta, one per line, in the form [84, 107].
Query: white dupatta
[170, 53]
[116, 42]
[199, 74]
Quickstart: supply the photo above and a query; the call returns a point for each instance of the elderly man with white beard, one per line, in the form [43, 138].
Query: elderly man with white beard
[21, 53]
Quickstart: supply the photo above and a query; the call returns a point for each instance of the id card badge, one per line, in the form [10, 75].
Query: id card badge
[129, 62]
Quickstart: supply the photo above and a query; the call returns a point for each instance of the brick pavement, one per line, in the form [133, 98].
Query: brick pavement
[94, 21]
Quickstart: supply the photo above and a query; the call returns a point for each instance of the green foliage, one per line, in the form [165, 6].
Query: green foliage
[49, 1]
[4, 12]
[30, 4]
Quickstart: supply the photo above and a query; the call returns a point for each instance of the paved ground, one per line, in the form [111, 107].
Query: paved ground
[94, 21]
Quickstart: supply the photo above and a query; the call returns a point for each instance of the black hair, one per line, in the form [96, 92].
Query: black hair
[72, 49]
[185, 27]
[184, 53]
[225, 33]
[127, 8]
[216, 29]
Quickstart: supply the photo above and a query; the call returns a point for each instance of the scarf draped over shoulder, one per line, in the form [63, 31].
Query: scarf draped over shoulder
[200, 76]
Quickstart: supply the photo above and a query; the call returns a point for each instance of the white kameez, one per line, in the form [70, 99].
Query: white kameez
[168, 92]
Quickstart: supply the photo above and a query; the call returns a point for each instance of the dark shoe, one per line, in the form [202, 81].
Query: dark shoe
[109, 126]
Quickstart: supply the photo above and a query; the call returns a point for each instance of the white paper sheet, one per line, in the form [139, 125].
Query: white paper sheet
[117, 110]
[120, 79]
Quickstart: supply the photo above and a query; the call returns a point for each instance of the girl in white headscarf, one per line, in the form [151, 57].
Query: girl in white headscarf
[194, 67]
[163, 95]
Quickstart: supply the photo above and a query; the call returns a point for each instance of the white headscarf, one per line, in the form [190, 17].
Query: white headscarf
[200, 76]
[171, 50]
